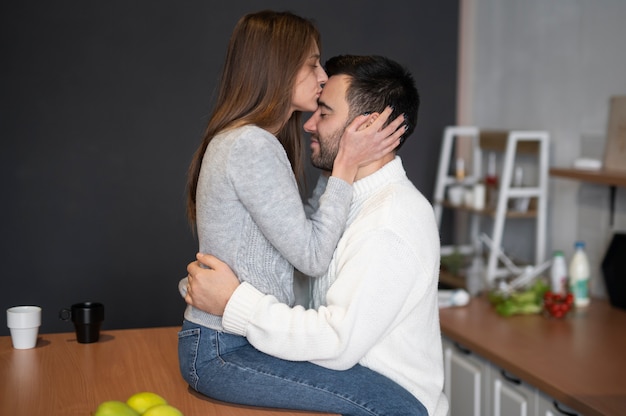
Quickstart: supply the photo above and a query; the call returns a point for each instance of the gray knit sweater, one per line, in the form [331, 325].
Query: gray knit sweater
[250, 215]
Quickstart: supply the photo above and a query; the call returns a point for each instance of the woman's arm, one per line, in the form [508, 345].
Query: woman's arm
[264, 183]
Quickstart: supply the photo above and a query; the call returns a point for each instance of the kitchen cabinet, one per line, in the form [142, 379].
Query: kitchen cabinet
[546, 406]
[476, 387]
[507, 146]
[467, 380]
[511, 396]
[577, 361]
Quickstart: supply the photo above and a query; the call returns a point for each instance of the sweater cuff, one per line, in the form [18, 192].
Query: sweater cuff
[338, 190]
[338, 185]
[240, 308]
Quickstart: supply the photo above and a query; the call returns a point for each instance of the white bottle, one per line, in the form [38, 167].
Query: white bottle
[558, 274]
[491, 183]
[579, 275]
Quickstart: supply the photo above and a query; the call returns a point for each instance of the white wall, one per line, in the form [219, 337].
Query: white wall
[550, 65]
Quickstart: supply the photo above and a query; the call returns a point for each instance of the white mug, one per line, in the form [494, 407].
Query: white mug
[24, 323]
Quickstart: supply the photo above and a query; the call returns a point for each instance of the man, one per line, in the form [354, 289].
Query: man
[376, 307]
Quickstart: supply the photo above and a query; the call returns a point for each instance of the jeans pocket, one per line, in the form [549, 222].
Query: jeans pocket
[188, 341]
[226, 343]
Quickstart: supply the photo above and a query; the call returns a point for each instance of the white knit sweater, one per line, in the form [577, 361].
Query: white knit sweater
[376, 306]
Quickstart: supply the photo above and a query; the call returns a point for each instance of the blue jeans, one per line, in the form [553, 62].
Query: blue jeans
[227, 368]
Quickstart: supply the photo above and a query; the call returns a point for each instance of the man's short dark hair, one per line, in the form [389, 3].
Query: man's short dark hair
[378, 82]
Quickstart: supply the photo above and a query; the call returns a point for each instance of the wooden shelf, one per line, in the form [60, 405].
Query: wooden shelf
[496, 141]
[531, 213]
[604, 177]
[612, 178]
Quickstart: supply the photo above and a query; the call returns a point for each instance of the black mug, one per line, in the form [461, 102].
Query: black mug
[87, 318]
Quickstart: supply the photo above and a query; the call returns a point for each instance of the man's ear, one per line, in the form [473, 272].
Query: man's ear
[370, 119]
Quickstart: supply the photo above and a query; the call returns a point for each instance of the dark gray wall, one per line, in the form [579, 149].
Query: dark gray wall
[102, 105]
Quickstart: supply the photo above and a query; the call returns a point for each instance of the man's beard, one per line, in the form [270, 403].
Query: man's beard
[328, 148]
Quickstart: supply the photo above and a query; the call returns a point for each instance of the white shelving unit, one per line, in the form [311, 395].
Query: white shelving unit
[508, 144]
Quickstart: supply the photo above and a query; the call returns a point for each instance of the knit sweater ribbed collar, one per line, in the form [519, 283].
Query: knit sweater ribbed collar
[390, 172]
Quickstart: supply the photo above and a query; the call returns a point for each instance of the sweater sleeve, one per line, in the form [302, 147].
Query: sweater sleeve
[362, 306]
[264, 182]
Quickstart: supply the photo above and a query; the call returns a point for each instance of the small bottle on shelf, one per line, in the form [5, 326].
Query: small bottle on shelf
[558, 274]
[579, 274]
[491, 182]
[459, 172]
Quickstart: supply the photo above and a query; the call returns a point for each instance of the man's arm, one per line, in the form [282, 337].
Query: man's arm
[363, 304]
[366, 301]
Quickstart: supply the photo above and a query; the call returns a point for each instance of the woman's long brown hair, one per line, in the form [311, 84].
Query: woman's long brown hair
[265, 53]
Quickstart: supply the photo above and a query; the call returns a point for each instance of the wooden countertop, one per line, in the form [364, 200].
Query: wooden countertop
[62, 377]
[579, 361]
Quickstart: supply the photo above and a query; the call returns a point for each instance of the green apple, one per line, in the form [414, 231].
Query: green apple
[163, 410]
[143, 401]
[115, 408]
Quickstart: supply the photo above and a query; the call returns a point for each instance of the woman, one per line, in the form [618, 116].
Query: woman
[242, 191]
